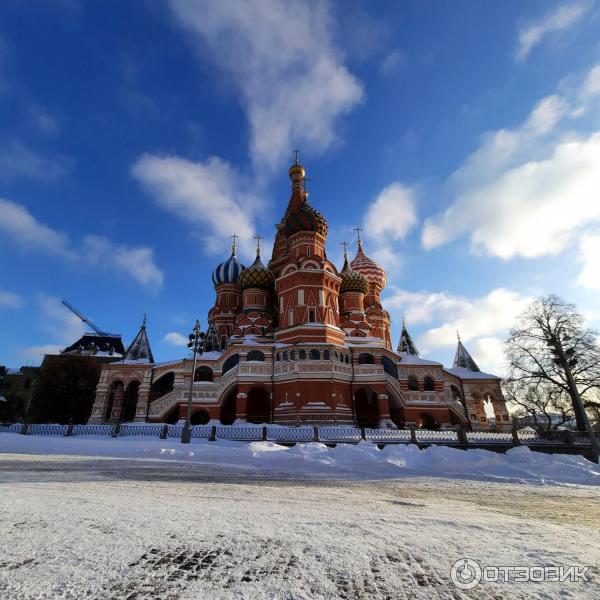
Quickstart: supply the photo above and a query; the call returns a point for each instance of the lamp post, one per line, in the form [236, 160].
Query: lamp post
[196, 344]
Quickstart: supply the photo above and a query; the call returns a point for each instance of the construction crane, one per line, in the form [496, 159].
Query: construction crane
[84, 319]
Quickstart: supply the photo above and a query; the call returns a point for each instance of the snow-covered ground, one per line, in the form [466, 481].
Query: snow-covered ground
[238, 520]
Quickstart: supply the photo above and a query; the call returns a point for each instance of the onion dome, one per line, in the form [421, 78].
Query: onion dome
[300, 215]
[228, 271]
[369, 268]
[352, 281]
[256, 275]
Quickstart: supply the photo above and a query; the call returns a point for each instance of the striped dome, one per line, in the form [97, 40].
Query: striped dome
[228, 271]
[256, 276]
[369, 268]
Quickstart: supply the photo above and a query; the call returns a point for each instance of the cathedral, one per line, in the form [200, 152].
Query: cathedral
[299, 341]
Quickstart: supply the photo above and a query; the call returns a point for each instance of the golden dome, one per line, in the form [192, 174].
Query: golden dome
[352, 281]
[256, 276]
[297, 171]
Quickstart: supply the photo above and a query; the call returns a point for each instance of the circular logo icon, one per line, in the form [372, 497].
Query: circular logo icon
[465, 573]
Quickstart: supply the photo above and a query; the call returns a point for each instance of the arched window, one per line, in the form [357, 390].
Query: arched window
[285, 356]
[162, 386]
[347, 359]
[428, 384]
[231, 362]
[302, 354]
[326, 355]
[389, 367]
[203, 373]
[413, 384]
[311, 315]
[255, 355]
[314, 354]
[278, 357]
[366, 359]
[293, 355]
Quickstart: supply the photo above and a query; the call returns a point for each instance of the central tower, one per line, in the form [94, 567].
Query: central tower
[307, 285]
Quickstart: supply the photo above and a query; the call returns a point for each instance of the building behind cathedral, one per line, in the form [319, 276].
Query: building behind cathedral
[298, 340]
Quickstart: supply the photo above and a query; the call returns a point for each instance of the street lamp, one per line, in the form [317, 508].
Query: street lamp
[196, 344]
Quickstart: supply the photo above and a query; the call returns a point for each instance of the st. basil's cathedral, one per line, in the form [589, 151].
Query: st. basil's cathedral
[298, 341]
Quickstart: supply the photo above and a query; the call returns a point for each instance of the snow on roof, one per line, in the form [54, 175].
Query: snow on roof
[463, 373]
[407, 358]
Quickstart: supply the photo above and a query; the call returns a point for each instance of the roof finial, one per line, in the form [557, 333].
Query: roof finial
[296, 152]
[345, 246]
[458, 335]
[233, 246]
[403, 321]
[144, 321]
[358, 240]
[258, 238]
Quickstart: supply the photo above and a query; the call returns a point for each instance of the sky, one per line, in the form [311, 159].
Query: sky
[137, 137]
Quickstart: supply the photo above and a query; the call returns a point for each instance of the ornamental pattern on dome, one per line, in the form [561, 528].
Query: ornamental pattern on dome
[256, 276]
[352, 281]
[369, 268]
[305, 218]
[228, 271]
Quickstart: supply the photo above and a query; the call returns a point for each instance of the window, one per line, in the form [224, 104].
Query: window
[389, 367]
[231, 362]
[314, 355]
[413, 384]
[290, 317]
[326, 355]
[473, 417]
[255, 355]
[302, 354]
[278, 357]
[300, 297]
[308, 251]
[366, 359]
[293, 355]
[347, 359]
[428, 384]
[203, 373]
[311, 315]
[285, 356]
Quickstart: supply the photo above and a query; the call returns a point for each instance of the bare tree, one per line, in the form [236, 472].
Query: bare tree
[548, 407]
[551, 348]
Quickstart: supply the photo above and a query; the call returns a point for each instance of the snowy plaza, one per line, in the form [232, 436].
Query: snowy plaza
[104, 518]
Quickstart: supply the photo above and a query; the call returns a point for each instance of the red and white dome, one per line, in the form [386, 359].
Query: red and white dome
[369, 268]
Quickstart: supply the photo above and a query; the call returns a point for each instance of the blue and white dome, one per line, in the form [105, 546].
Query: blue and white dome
[228, 271]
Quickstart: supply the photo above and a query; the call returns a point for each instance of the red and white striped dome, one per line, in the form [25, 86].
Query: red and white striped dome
[369, 268]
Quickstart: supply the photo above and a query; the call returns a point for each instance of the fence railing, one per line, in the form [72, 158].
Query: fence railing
[291, 435]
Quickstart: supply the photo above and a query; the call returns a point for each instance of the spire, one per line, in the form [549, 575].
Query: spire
[358, 240]
[233, 246]
[139, 350]
[346, 266]
[258, 238]
[463, 360]
[406, 345]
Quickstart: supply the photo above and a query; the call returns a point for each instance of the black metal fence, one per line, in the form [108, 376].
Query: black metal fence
[552, 441]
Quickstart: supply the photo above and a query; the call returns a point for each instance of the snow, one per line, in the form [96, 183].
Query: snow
[363, 461]
[413, 359]
[193, 525]
[463, 373]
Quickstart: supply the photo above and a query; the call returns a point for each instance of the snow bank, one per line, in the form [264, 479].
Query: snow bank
[363, 461]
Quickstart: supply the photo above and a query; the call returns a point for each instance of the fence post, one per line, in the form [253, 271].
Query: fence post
[264, 434]
[515, 436]
[24, 429]
[316, 434]
[69, 429]
[164, 432]
[462, 435]
[116, 430]
[363, 434]
[413, 436]
[213, 433]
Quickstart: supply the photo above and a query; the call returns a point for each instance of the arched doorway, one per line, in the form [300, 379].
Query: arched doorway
[366, 409]
[116, 389]
[258, 406]
[428, 421]
[130, 401]
[200, 417]
[228, 405]
[173, 416]
[396, 407]
[203, 373]
[163, 385]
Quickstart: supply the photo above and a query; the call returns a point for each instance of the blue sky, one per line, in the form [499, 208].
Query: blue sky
[138, 136]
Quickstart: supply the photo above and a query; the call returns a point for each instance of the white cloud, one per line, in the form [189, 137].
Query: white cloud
[526, 191]
[136, 262]
[18, 161]
[10, 300]
[209, 193]
[28, 233]
[17, 222]
[591, 85]
[392, 63]
[483, 322]
[392, 213]
[559, 19]
[281, 58]
[36, 353]
[176, 339]
[589, 257]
